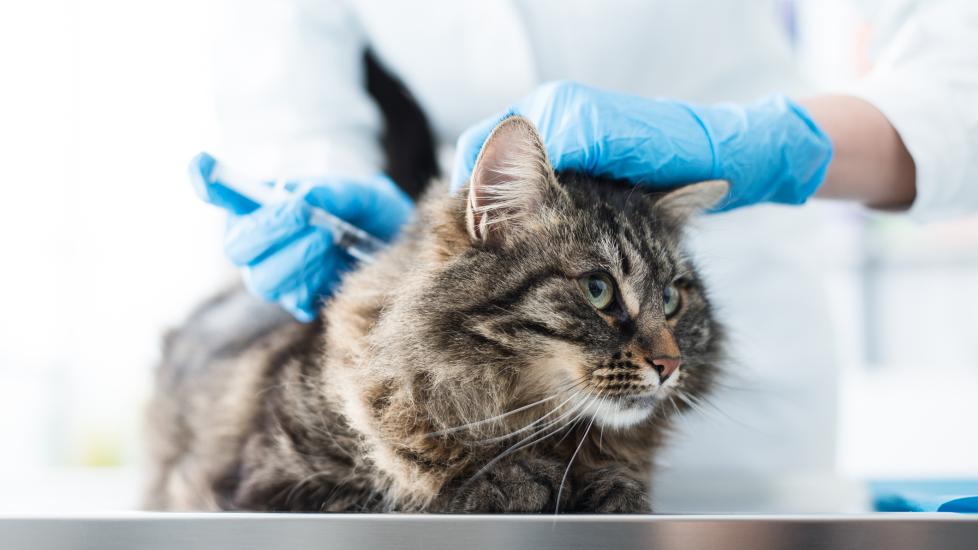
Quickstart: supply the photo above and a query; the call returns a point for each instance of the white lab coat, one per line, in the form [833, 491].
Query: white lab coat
[293, 104]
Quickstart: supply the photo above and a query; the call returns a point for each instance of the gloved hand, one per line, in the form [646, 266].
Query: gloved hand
[769, 150]
[288, 261]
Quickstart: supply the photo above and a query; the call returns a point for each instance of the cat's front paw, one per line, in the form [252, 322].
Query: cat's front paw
[610, 491]
[525, 486]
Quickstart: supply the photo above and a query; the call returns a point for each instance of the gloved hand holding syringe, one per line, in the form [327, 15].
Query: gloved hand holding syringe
[214, 181]
[293, 240]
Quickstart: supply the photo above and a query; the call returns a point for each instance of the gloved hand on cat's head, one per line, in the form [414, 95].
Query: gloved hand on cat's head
[286, 260]
[769, 151]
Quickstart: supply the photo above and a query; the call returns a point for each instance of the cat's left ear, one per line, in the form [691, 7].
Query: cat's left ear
[692, 199]
[511, 180]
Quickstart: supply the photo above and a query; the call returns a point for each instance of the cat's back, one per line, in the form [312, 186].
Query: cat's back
[250, 405]
[207, 395]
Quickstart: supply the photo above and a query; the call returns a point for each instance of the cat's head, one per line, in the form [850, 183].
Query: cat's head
[569, 288]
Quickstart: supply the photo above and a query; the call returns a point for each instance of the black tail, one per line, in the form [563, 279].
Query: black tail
[408, 141]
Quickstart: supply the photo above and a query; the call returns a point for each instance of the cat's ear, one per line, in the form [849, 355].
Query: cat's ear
[511, 179]
[689, 200]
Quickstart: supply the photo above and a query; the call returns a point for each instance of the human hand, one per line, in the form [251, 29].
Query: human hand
[285, 259]
[769, 150]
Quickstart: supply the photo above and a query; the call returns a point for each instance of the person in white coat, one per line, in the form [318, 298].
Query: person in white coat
[294, 104]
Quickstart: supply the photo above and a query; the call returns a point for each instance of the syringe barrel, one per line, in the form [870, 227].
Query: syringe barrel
[357, 242]
[360, 244]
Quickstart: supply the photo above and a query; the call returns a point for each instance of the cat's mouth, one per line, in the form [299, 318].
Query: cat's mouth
[625, 411]
[620, 398]
[640, 401]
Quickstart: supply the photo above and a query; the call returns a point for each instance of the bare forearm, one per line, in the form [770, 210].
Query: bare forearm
[870, 163]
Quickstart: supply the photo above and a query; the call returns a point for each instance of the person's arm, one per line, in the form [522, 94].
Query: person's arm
[870, 163]
[291, 95]
[905, 137]
[924, 81]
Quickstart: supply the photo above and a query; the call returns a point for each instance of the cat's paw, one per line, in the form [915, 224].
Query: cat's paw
[609, 491]
[524, 486]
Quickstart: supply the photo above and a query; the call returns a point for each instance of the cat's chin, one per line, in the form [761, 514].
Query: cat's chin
[623, 413]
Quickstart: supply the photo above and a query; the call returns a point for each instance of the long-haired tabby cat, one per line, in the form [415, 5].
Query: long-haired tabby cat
[520, 348]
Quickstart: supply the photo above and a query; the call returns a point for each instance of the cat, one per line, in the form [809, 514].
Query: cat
[521, 348]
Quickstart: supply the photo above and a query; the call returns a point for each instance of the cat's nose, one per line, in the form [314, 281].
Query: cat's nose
[664, 366]
[662, 352]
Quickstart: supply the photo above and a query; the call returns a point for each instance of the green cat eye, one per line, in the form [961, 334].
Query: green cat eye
[598, 289]
[671, 299]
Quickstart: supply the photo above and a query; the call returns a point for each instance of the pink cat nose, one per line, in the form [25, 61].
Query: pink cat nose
[665, 366]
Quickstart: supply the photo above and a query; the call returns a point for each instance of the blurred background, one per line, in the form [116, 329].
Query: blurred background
[105, 246]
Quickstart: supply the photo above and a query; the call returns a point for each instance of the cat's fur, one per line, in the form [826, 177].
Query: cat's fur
[402, 397]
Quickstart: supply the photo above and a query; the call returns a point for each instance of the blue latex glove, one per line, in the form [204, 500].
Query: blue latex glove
[769, 150]
[286, 260]
[925, 495]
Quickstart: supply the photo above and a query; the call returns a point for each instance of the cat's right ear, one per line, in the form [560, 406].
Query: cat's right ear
[511, 180]
[690, 200]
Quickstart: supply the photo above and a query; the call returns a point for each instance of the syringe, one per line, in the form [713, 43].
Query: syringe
[217, 184]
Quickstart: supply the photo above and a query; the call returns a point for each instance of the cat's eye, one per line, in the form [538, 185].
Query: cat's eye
[598, 289]
[671, 300]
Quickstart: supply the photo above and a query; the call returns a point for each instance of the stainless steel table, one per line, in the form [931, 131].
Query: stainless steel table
[351, 532]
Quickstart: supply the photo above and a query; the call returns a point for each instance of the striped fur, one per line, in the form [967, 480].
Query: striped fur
[459, 372]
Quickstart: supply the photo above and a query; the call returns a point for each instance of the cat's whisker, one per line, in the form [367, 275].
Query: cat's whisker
[572, 385]
[698, 407]
[529, 426]
[537, 421]
[560, 490]
[532, 439]
[682, 397]
[672, 401]
[601, 437]
[477, 423]
[573, 382]
[573, 422]
[593, 399]
[581, 411]
[617, 408]
[709, 405]
[577, 410]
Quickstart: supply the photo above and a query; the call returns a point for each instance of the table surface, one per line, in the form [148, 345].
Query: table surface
[395, 531]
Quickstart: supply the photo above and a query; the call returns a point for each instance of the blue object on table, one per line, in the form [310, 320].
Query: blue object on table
[966, 505]
[925, 496]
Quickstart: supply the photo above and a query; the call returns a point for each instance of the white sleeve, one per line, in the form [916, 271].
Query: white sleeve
[925, 80]
[291, 94]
